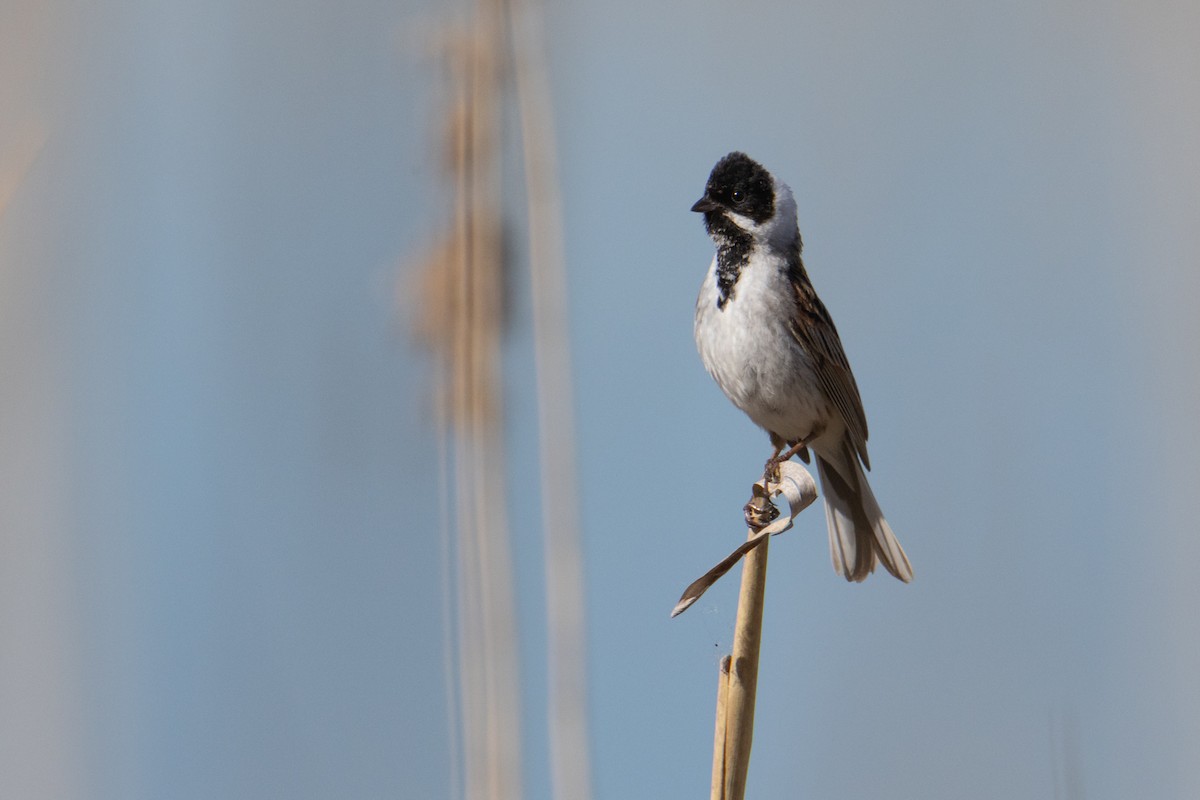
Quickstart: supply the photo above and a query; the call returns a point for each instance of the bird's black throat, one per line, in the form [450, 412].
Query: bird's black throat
[733, 253]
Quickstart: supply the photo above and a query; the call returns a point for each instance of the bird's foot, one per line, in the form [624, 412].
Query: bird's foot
[771, 468]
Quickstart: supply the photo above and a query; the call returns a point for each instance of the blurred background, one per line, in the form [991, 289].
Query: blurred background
[221, 572]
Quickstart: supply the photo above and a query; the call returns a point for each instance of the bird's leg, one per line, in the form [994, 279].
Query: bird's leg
[771, 468]
[760, 511]
[799, 448]
[772, 465]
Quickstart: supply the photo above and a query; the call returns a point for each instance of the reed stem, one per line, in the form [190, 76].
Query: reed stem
[739, 673]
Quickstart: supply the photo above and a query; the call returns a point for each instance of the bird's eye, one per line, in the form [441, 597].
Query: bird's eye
[738, 197]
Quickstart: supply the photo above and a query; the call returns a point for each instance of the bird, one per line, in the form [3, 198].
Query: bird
[771, 346]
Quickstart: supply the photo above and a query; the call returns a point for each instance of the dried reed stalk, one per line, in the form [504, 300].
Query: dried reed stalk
[739, 673]
[718, 770]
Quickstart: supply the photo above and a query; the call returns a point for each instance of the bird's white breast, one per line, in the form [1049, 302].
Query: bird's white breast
[749, 350]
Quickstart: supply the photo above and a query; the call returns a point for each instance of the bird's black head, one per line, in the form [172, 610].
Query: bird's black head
[739, 185]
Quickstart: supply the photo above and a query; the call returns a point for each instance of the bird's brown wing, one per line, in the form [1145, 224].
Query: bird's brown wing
[813, 329]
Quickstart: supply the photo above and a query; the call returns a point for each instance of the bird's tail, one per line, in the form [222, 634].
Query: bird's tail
[858, 533]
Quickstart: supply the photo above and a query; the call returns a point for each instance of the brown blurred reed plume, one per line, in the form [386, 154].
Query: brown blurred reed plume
[461, 318]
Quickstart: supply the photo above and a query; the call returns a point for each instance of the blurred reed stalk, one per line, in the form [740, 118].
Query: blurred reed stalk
[461, 317]
[566, 644]
[17, 156]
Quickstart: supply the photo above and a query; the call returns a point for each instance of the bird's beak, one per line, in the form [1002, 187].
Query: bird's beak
[704, 204]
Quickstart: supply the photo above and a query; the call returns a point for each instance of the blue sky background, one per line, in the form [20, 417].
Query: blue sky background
[218, 527]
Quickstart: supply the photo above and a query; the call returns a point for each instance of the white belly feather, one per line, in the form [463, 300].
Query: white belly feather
[747, 348]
